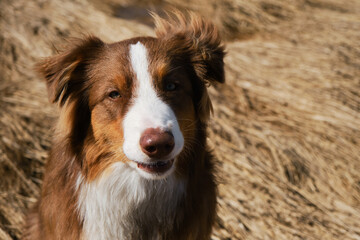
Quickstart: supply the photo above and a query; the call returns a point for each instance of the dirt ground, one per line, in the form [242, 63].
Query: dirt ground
[286, 125]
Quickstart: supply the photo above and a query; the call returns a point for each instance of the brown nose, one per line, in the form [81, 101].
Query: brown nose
[156, 143]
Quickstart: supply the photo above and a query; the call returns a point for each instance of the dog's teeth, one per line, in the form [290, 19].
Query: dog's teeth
[159, 164]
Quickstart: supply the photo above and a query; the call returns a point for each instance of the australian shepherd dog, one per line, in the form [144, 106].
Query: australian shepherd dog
[129, 158]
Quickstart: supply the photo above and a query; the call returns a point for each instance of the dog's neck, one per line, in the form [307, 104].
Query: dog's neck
[120, 204]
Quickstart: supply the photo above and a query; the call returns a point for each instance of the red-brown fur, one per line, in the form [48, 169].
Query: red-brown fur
[89, 132]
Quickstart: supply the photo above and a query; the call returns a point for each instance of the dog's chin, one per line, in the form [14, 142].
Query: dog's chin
[158, 169]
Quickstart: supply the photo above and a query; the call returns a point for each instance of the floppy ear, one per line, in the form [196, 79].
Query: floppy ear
[65, 72]
[67, 81]
[200, 40]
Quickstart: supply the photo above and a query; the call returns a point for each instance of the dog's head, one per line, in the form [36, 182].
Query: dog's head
[137, 101]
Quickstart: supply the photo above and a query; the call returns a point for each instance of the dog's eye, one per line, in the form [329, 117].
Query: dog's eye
[170, 86]
[114, 94]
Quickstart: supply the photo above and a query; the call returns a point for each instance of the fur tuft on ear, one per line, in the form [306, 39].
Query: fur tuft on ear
[200, 36]
[63, 72]
[200, 40]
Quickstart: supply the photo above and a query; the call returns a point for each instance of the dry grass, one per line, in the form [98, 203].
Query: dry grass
[286, 127]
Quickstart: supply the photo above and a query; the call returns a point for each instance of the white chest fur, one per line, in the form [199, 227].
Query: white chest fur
[120, 204]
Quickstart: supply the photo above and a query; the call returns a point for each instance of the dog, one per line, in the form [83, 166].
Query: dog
[129, 158]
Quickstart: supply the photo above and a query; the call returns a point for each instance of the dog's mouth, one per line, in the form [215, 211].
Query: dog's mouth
[157, 167]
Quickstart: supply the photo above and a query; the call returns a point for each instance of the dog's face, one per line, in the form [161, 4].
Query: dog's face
[138, 101]
[141, 103]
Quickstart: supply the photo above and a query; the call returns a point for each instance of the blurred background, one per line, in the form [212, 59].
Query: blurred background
[286, 128]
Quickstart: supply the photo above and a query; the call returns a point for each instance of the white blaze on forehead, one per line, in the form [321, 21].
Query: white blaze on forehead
[147, 111]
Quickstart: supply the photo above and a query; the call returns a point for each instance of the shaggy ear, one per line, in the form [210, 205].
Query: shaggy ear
[200, 40]
[64, 73]
[67, 81]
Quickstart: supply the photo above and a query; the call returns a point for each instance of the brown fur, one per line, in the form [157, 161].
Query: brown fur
[89, 133]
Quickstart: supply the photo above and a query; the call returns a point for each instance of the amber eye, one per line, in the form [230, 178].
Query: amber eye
[114, 94]
[170, 86]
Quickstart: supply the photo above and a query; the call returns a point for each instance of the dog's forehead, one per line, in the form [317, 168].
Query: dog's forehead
[123, 55]
[156, 49]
